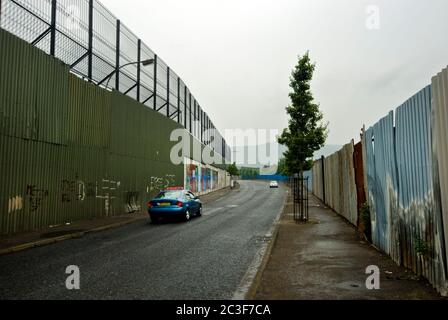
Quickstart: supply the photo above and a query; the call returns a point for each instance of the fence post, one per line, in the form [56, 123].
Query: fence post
[168, 92]
[202, 126]
[139, 67]
[155, 83]
[223, 149]
[208, 131]
[185, 107]
[195, 125]
[189, 103]
[178, 100]
[90, 58]
[117, 57]
[323, 180]
[53, 28]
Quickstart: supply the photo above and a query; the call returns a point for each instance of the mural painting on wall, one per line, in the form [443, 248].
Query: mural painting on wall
[203, 180]
[208, 179]
[192, 177]
[214, 180]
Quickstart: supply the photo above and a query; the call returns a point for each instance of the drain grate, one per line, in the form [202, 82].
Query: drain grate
[263, 239]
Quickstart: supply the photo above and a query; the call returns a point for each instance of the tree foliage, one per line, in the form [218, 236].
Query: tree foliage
[306, 133]
[249, 173]
[282, 167]
[233, 170]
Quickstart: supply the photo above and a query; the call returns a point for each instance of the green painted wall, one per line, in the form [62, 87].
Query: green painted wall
[70, 150]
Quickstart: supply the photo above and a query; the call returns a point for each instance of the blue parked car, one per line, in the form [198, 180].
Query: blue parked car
[174, 203]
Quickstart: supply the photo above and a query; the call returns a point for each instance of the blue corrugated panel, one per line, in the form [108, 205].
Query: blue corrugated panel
[405, 222]
[274, 177]
[382, 182]
[309, 175]
[419, 221]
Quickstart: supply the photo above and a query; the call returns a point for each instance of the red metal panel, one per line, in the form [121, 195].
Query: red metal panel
[359, 180]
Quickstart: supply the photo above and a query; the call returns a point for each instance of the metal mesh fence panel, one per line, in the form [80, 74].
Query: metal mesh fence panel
[86, 36]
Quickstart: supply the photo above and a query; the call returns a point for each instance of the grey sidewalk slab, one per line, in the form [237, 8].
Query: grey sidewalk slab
[326, 259]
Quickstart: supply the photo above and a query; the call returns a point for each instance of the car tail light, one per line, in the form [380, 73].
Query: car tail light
[179, 204]
[149, 204]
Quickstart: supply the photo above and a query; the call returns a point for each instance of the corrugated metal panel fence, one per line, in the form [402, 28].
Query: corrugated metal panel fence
[382, 183]
[440, 157]
[70, 150]
[406, 222]
[338, 175]
[404, 159]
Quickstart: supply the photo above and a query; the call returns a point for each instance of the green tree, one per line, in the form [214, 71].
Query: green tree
[233, 170]
[306, 133]
[249, 173]
[282, 167]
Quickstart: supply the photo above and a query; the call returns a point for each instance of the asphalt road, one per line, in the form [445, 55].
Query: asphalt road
[206, 258]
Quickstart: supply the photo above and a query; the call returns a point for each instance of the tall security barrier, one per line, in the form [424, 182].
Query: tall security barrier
[97, 46]
[403, 161]
[71, 150]
[440, 159]
[334, 176]
[406, 220]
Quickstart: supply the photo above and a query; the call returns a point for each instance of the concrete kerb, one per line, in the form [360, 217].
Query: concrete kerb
[255, 283]
[74, 235]
[257, 280]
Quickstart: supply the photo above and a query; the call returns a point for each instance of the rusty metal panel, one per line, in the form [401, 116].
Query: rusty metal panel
[349, 181]
[338, 179]
[340, 183]
[359, 181]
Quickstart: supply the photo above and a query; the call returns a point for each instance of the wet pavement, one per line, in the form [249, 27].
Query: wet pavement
[206, 258]
[27, 240]
[326, 259]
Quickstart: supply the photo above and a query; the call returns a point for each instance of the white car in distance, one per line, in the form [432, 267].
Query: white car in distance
[273, 185]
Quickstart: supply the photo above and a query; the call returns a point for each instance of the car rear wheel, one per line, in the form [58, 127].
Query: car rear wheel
[154, 220]
[199, 214]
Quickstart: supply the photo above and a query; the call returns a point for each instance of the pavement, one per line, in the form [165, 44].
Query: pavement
[325, 259]
[211, 257]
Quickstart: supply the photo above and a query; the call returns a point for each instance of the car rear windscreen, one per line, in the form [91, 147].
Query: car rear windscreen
[169, 195]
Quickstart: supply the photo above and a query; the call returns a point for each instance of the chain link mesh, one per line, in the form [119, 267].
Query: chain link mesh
[31, 20]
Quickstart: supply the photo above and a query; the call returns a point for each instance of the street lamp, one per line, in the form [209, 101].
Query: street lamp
[144, 63]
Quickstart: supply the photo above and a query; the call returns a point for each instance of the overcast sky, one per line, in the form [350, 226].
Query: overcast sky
[236, 56]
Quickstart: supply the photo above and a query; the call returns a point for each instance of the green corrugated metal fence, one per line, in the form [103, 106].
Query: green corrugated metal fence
[70, 150]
